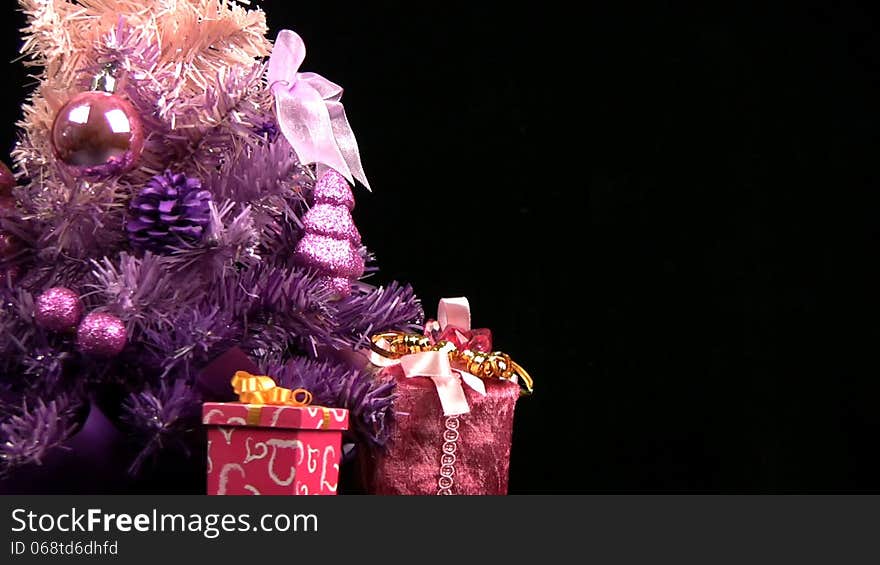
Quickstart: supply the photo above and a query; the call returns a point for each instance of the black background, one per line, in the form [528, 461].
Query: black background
[668, 217]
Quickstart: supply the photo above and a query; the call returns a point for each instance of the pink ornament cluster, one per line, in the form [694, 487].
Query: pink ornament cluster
[100, 334]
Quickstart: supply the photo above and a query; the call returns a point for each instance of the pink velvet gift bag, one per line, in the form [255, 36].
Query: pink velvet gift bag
[452, 430]
[430, 453]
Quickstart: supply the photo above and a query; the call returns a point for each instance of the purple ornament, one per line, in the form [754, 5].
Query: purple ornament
[101, 334]
[98, 134]
[171, 209]
[58, 309]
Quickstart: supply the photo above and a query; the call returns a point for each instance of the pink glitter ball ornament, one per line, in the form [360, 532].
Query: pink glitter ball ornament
[98, 134]
[101, 334]
[58, 309]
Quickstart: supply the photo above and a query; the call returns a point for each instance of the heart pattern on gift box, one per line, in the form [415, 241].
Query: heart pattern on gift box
[224, 479]
[276, 445]
[250, 456]
[269, 458]
[216, 416]
[330, 458]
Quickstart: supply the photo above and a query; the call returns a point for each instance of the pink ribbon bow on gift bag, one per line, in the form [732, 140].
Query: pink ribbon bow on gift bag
[310, 114]
[453, 314]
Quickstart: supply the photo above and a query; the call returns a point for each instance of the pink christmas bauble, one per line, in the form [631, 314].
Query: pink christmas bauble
[101, 334]
[98, 134]
[58, 309]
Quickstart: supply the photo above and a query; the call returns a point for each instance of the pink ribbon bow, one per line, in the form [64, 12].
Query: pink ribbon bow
[310, 113]
[452, 312]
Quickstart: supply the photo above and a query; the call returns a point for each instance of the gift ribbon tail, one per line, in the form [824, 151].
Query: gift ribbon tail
[474, 382]
[452, 398]
[435, 364]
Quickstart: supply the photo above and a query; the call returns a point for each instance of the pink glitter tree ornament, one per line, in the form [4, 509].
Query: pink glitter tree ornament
[331, 242]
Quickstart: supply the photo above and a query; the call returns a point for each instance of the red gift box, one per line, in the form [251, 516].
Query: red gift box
[268, 449]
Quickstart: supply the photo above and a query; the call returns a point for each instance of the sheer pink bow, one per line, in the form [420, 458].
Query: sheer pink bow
[310, 113]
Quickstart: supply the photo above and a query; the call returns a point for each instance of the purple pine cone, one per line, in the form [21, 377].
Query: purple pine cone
[170, 210]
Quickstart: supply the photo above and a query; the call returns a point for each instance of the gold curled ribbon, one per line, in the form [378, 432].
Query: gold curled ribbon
[260, 389]
[395, 345]
[494, 365]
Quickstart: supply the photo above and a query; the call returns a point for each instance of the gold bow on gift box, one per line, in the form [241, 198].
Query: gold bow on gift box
[260, 389]
[257, 391]
[494, 365]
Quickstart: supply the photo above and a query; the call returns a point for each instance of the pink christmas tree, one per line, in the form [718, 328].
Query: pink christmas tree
[331, 244]
[163, 177]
